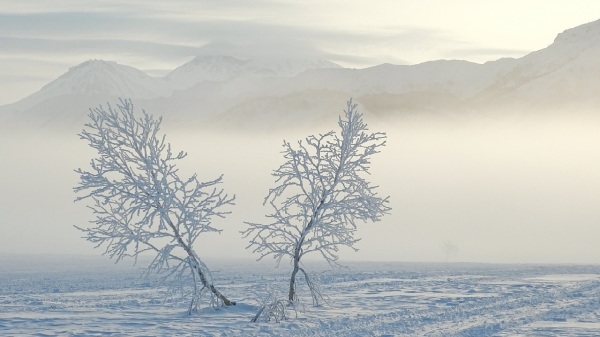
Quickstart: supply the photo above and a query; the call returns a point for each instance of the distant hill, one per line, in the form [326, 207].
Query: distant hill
[228, 92]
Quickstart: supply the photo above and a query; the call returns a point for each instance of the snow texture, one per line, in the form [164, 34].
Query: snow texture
[222, 68]
[87, 297]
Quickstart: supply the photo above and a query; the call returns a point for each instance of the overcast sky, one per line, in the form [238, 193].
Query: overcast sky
[40, 40]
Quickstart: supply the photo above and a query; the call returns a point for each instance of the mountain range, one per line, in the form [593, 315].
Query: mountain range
[225, 91]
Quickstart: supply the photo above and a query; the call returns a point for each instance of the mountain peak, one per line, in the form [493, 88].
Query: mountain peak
[580, 34]
[107, 78]
[222, 67]
[214, 59]
[100, 78]
[94, 63]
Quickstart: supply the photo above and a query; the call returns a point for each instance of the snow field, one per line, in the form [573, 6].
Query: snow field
[100, 299]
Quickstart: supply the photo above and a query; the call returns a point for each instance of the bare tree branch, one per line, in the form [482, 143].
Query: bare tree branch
[142, 205]
[319, 196]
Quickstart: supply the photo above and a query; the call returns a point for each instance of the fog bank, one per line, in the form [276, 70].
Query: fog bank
[500, 191]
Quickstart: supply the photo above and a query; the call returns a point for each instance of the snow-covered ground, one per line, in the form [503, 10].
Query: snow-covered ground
[68, 296]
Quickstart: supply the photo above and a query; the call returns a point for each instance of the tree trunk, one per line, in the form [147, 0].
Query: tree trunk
[220, 296]
[210, 286]
[196, 264]
[292, 292]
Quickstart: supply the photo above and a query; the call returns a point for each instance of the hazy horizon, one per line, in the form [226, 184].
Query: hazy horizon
[501, 191]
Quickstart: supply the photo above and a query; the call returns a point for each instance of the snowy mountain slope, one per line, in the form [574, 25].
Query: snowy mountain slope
[302, 109]
[384, 91]
[564, 76]
[566, 73]
[100, 78]
[218, 83]
[458, 78]
[66, 101]
[209, 89]
[206, 68]
[222, 68]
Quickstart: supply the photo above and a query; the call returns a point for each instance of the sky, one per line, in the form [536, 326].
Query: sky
[41, 40]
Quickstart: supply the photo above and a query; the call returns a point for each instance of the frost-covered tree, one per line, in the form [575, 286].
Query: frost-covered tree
[272, 307]
[141, 205]
[320, 196]
[450, 249]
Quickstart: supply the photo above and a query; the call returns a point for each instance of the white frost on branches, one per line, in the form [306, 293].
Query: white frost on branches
[272, 308]
[320, 196]
[142, 205]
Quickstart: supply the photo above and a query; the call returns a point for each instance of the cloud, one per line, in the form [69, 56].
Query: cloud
[148, 32]
[59, 47]
[64, 24]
